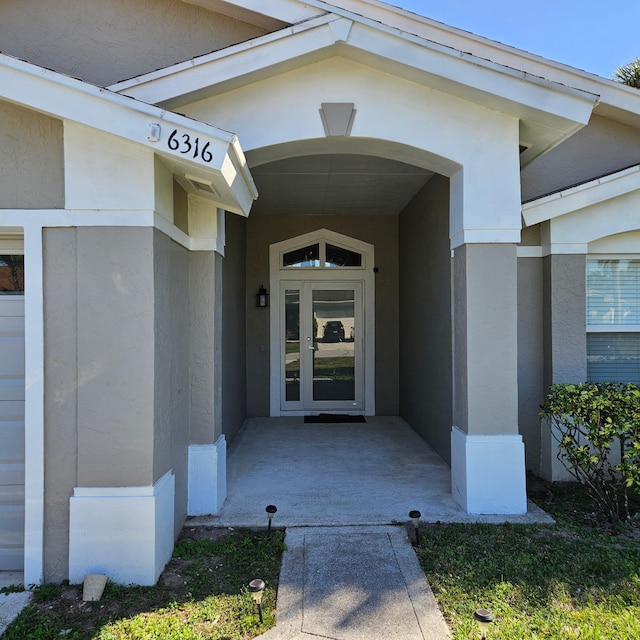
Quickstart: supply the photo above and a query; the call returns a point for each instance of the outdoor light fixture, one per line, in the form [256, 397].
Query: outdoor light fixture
[271, 509]
[484, 618]
[262, 297]
[256, 587]
[415, 518]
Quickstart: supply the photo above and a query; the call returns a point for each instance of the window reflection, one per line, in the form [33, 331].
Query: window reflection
[11, 274]
[305, 257]
[339, 257]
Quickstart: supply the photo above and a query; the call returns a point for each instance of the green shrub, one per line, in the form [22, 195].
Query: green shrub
[592, 422]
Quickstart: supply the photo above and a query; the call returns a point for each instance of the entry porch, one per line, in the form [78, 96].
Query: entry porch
[370, 473]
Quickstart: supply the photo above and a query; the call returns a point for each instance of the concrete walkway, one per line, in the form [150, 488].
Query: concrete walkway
[11, 604]
[354, 583]
[347, 574]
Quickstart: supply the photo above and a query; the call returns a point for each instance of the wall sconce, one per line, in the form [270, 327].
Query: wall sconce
[262, 297]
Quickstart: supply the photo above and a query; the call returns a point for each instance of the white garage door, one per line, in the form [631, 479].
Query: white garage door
[11, 414]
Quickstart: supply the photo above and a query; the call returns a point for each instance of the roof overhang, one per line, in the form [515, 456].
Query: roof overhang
[581, 196]
[548, 111]
[223, 166]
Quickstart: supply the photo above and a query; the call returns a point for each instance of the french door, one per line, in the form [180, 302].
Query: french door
[322, 339]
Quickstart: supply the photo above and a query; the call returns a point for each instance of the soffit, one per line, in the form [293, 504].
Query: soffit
[336, 184]
[222, 166]
[268, 14]
[549, 112]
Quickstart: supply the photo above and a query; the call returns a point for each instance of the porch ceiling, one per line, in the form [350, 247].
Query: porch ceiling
[336, 184]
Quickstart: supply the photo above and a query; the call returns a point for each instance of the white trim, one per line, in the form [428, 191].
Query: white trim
[34, 406]
[528, 252]
[581, 196]
[45, 218]
[64, 97]
[488, 473]
[207, 478]
[123, 532]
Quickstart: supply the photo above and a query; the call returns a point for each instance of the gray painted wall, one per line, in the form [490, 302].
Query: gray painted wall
[31, 162]
[60, 402]
[485, 338]
[382, 232]
[602, 147]
[234, 354]
[112, 40]
[530, 356]
[171, 367]
[204, 288]
[565, 337]
[425, 315]
[115, 356]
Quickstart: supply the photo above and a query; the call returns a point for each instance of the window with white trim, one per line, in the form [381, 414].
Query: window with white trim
[613, 320]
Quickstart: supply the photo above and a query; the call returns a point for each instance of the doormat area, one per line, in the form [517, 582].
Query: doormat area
[331, 418]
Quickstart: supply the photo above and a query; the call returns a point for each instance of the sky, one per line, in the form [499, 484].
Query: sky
[594, 35]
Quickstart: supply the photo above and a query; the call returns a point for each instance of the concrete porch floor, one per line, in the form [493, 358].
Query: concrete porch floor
[370, 473]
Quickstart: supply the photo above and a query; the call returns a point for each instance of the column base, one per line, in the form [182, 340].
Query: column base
[123, 532]
[488, 473]
[207, 478]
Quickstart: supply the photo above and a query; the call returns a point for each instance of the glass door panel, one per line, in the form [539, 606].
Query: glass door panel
[321, 346]
[334, 371]
[292, 345]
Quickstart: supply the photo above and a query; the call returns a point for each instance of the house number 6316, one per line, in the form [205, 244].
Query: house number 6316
[187, 145]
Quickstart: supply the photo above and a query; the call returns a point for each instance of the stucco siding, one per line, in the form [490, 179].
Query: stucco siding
[565, 337]
[425, 315]
[31, 158]
[530, 356]
[382, 232]
[234, 367]
[112, 40]
[604, 146]
[171, 367]
[115, 297]
[60, 399]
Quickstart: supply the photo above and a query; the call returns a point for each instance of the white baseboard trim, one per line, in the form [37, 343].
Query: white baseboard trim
[123, 532]
[488, 474]
[207, 478]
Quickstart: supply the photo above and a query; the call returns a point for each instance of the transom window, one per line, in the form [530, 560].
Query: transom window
[11, 274]
[613, 320]
[322, 255]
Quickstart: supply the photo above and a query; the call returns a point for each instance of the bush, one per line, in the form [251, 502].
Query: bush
[591, 423]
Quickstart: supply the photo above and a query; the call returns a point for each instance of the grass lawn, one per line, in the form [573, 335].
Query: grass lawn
[577, 579]
[201, 594]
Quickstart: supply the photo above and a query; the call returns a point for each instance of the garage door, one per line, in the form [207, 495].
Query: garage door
[11, 413]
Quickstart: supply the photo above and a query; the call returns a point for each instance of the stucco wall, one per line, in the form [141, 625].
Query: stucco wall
[31, 158]
[204, 300]
[485, 338]
[234, 357]
[425, 315]
[565, 343]
[382, 232]
[602, 147]
[112, 40]
[116, 345]
[60, 401]
[530, 356]
[171, 367]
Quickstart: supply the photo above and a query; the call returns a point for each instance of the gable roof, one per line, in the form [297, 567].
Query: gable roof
[548, 111]
[617, 101]
[67, 98]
